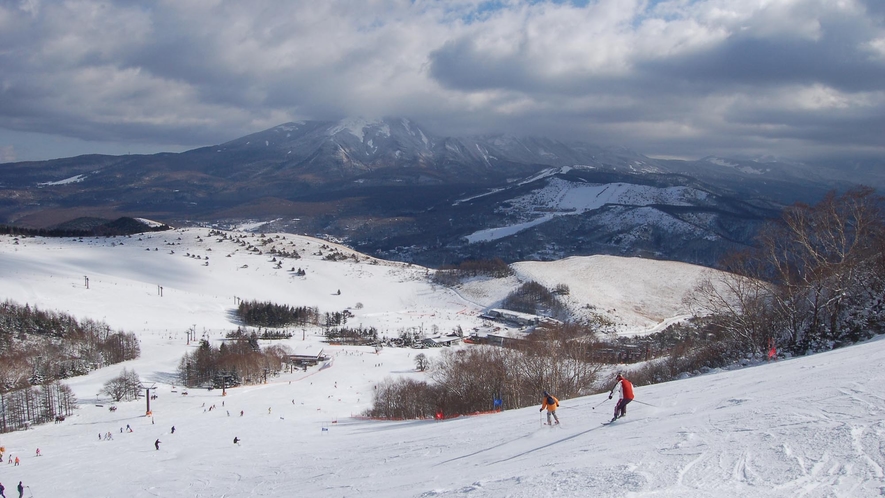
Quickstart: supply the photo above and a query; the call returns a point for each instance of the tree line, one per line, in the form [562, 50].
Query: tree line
[120, 226]
[535, 299]
[230, 364]
[353, 336]
[267, 314]
[39, 346]
[558, 359]
[273, 315]
[454, 274]
[22, 408]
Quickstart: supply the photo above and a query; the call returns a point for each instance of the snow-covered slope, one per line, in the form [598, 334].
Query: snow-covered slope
[638, 296]
[565, 198]
[804, 427]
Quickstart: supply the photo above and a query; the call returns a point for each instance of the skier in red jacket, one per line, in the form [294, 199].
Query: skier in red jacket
[625, 390]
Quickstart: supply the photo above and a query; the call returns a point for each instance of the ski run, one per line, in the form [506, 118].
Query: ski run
[811, 426]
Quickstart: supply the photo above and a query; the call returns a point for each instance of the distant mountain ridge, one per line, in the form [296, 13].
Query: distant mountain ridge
[392, 188]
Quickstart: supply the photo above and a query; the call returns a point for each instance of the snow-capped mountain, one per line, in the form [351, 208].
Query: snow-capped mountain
[391, 187]
[323, 151]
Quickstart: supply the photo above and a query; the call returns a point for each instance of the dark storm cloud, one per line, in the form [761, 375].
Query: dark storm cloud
[665, 77]
[749, 61]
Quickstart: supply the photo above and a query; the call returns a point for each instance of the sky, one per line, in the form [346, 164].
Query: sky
[741, 432]
[803, 79]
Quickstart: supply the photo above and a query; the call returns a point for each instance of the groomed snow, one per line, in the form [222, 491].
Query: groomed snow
[804, 427]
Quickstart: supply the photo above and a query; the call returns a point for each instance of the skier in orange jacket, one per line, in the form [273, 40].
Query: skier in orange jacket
[550, 403]
[625, 390]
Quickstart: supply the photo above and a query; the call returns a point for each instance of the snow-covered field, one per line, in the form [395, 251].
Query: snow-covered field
[804, 427]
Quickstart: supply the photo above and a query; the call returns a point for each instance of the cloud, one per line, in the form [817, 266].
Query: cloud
[665, 77]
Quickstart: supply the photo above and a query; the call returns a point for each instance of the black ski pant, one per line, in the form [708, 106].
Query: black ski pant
[621, 407]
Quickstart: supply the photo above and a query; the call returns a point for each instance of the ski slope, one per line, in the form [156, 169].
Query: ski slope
[810, 426]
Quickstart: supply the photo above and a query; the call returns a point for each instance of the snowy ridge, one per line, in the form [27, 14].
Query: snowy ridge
[727, 433]
[561, 197]
[358, 127]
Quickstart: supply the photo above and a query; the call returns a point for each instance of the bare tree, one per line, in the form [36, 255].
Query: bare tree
[422, 363]
[812, 276]
[126, 386]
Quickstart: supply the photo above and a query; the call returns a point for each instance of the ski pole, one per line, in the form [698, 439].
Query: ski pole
[600, 404]
[643, 403]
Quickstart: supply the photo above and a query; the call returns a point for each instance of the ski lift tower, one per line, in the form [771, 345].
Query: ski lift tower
[147, 397]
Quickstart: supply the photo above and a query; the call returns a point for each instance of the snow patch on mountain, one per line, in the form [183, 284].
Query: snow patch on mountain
[739, 167]
[66, 181]
[359, 127]
[561, 197]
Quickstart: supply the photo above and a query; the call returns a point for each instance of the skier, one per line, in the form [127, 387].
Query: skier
[16, 462]
[236, 440]
[38, 452]
[157, 444]
[550, 403]
[173, 429]
[2, 489]
[21, 489]
[625, 390]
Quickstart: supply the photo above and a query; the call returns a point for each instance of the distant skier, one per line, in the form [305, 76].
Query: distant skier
[157, 444]
[21, 489]
[173, 429]
[550, 403]
[2, 489]
[625, 391]
[236, 440]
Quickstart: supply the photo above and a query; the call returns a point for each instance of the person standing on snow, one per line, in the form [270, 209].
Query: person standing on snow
[625, 391]
[550, 403]
[157, 444]
[2, 489]
[21, 489]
